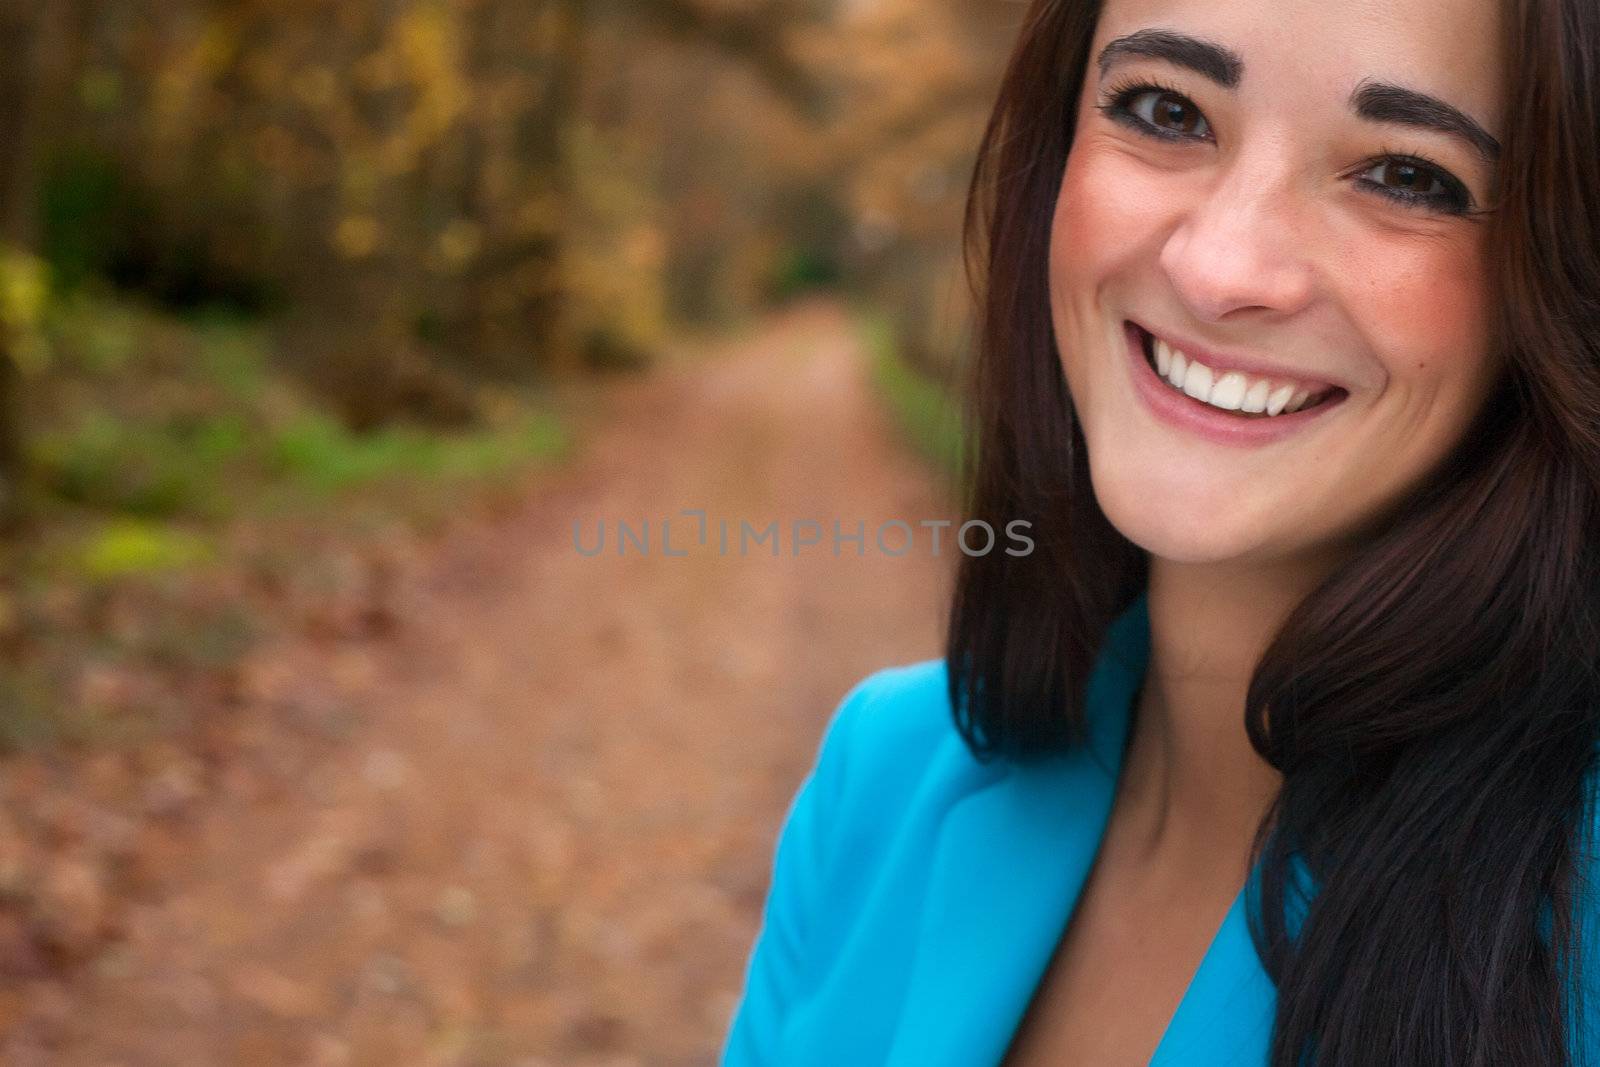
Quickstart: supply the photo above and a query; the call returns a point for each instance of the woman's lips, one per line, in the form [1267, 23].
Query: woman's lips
[1214, 424]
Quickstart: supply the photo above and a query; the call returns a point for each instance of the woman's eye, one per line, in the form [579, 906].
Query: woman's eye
[1411, 181]
[1164, 112]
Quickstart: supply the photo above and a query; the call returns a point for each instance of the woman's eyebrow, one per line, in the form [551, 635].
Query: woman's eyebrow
[1221, 65]
[1382, 102]
[1372, 100]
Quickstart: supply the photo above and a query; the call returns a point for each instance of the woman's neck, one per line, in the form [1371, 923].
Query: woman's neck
[1192, 784]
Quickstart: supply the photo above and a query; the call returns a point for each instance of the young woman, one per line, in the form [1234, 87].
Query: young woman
[1280, 747]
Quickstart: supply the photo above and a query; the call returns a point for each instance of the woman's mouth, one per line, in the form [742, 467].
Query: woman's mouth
[1245, 396]
[1223, 404]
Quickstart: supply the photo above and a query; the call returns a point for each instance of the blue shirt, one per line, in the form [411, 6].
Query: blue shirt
[918, 894]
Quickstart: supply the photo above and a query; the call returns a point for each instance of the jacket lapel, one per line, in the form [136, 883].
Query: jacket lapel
[1225, 1017]
[1011, 860]
[1010, 864]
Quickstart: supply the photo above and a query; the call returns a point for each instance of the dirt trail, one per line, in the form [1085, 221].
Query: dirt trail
[534, 826]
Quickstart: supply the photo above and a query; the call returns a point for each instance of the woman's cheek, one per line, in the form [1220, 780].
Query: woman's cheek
[1424, 307]
[1104, 210]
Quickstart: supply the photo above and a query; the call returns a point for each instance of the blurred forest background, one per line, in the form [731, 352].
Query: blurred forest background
[245, 243]
[286, 285]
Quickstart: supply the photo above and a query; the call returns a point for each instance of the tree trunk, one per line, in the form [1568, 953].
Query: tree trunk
[517, 187]
[20, 29]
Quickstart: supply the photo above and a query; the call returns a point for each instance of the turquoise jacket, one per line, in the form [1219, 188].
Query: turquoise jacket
[918, 894]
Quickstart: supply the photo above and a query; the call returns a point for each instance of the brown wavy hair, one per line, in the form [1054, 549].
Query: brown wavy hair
[1434, 705]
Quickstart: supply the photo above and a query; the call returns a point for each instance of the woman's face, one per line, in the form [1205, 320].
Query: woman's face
[1281, 191]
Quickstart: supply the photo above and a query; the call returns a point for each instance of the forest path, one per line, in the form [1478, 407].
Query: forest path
[534, 825]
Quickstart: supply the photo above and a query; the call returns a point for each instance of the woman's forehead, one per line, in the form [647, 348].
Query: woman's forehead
[1445, 48]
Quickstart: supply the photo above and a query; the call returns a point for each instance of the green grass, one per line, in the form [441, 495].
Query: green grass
[154, 468]
[126, 547]
[165, 419]
[321, 455]
[152, 431]
[926, 414]
[232, 354]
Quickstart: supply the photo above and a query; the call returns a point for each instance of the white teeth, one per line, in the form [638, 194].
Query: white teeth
[1228, 393]
[1197, 382]
[1255, 400]
[1227, 390]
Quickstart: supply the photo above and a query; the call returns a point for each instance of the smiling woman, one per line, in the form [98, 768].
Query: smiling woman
[1281, 746]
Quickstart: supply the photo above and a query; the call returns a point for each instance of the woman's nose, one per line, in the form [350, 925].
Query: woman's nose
[1239, 246]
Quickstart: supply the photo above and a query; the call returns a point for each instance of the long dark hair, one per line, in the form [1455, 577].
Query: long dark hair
[1434, 706]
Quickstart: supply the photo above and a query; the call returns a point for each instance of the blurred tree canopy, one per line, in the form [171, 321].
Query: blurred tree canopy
[429, 191]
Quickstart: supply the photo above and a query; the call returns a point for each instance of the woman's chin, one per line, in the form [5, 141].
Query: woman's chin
[1188, 524]
[1179, 545]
